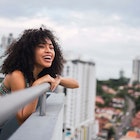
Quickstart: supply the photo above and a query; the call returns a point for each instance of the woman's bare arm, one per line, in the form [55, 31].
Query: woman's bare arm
[17, 82]
[68, 82]
[65, 82]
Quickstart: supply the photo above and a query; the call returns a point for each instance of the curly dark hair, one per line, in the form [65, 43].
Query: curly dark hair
[20, 54]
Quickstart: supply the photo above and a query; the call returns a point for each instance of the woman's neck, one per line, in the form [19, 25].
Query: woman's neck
[36, 71]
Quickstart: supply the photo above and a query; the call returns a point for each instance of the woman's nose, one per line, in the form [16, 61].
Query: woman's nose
[47, 49]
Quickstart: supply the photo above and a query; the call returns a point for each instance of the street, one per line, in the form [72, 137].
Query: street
[126, 120]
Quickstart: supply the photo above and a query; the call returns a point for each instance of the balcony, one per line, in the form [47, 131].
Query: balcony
[37, 127]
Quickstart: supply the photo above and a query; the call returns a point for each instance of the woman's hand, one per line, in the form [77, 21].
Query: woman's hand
[45, 79]
[55, 83]
[65, 82]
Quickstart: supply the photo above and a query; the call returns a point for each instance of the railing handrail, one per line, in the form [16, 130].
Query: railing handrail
[11, 103]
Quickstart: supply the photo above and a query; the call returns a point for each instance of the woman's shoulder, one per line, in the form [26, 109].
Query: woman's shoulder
[15, 77]
[16, 73]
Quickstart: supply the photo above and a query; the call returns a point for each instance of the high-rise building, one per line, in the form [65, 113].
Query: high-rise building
[79, 116]
[6, 41]
[121, 74]
[136, 69]
[1, 58]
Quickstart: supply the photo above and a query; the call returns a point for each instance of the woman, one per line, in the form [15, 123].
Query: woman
[33, 59]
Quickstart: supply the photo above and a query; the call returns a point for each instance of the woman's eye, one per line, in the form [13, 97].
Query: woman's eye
[41, 46]
[51, 46]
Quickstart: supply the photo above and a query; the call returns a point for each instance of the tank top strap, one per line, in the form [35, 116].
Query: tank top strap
[3, 89]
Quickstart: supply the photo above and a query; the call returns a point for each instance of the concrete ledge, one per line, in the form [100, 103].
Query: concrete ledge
[47, 127]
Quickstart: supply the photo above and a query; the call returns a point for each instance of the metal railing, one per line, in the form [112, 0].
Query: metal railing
[11, 103]
[44, 124]
[48, 127]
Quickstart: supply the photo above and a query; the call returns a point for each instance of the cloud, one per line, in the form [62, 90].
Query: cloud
[29, 8]
[108, 31]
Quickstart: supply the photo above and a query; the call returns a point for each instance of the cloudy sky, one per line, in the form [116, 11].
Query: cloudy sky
[106, 31]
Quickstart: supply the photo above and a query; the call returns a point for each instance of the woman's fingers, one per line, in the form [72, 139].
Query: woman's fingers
[54, 84]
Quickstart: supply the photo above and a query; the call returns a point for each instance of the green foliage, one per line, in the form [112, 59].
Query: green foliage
[114, 83]
[122, 93]
[137, 103]
[100, 105]
[99, 89]
[107, 98]
[111, 132]
[136, 83]
[137, 89]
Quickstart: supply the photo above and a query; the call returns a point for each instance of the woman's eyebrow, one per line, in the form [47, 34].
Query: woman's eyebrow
[49, 43]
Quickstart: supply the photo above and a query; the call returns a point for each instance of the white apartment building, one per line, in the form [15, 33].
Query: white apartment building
[1, 54]
[136, 70]
[79, 116]
[5, 42]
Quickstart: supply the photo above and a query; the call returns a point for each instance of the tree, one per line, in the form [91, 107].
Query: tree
[137, 103]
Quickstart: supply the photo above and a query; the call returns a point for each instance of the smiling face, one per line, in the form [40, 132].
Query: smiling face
[44, 55]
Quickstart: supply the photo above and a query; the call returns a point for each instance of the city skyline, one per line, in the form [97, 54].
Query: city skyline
[105, 31]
